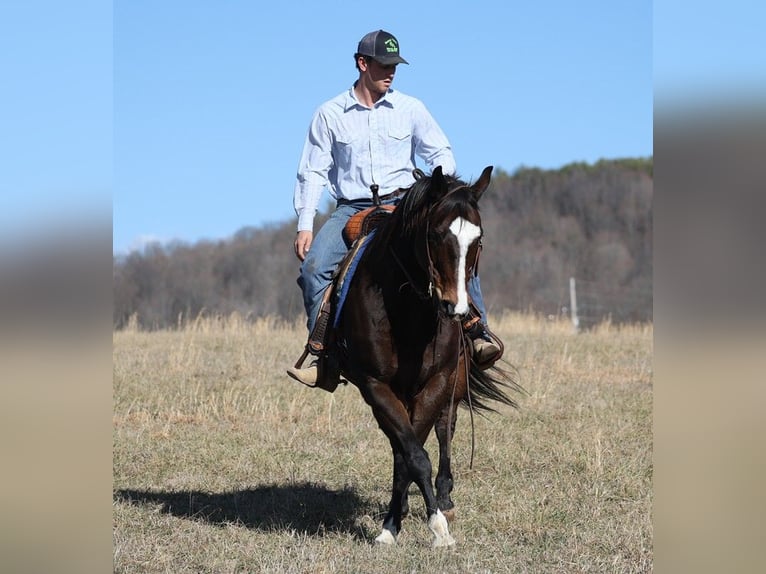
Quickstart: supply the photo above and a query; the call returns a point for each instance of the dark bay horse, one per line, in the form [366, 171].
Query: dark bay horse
[399, 337]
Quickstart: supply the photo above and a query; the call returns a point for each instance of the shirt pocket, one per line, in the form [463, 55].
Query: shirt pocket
[343, 152]
[399, 142]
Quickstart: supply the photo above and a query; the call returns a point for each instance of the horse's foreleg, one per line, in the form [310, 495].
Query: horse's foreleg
[394, 421]
[445, 430]
[420, 469]
[411, 463]
[392, 524]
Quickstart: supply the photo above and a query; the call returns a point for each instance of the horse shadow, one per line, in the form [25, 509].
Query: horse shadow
[304, 507]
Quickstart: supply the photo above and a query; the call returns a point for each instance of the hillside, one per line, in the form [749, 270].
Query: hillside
[591, 222]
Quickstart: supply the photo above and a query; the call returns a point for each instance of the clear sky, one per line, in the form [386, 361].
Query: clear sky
[55, 115]
[212, 100]
[192, 113]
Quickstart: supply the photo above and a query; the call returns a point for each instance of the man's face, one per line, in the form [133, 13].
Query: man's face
[379, 77]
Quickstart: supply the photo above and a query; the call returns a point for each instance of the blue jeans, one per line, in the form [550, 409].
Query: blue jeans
[327, 251]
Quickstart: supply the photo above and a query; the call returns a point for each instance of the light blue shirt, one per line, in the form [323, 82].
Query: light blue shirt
[350, 146]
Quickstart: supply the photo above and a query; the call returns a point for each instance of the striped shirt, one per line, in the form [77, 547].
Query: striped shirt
[350, 146]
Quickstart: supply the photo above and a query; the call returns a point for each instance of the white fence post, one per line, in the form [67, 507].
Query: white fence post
[573, 305]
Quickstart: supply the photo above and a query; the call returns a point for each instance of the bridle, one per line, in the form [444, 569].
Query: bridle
[428, 293]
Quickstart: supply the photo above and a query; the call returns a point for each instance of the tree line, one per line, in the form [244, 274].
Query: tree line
[541, 227]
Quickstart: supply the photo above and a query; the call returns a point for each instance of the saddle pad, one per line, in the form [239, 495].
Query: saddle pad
[346, 273]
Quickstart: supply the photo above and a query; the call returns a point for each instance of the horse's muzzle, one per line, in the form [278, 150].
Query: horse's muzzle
[450, 310]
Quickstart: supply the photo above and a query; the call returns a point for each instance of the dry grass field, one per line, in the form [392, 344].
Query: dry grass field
[223, 464]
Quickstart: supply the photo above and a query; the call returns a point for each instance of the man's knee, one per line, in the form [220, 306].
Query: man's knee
[309, 266]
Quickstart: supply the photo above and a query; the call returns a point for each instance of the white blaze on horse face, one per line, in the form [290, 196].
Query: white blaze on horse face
[466, 233]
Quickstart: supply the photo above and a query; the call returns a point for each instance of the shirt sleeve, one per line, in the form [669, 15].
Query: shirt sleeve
[431, 143]
[313, 168]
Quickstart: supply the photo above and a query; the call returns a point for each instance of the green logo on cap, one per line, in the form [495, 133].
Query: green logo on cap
[391, 46]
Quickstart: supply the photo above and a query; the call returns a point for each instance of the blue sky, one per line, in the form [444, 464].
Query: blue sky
[55, 114]
[189, 116]
[213, 99]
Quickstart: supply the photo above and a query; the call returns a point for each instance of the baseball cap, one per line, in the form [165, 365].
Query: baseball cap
[382, 46]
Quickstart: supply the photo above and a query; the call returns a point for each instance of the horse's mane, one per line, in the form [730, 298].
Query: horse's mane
[458, 202]
[410, 215]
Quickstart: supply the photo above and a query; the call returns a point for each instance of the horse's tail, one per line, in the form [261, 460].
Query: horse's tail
[494, 384]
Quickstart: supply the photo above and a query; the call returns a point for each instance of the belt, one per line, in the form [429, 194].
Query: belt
[368, 200]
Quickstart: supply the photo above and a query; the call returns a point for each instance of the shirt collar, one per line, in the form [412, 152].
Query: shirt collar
[388, 99]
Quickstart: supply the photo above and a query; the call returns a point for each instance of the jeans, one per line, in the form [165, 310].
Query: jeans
[327, 251]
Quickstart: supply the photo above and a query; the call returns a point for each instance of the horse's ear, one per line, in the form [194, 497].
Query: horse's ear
[482, 183]
[438, 184]
[418, 174]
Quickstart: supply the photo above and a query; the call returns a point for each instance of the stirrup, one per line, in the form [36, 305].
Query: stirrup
[327, 377]
[492, 359]
[474, 329]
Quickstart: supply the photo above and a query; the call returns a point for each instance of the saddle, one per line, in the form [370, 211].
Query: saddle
[362, 223]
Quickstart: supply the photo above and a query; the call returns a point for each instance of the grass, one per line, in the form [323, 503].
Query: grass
[223, 464]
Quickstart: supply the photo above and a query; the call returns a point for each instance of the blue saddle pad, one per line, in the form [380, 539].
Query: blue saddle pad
[345, 279]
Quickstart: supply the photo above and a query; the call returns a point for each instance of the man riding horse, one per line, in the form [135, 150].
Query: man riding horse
[367, 136]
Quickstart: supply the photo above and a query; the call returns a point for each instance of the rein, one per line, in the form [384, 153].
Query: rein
[430, 289]
[463, 351]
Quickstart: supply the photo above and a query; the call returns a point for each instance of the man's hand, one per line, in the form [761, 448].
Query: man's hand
[303, 244]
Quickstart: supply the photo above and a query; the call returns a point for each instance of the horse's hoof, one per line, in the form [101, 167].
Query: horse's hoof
[438, 525]
[449, 515]
[444, 542]
[386, 538]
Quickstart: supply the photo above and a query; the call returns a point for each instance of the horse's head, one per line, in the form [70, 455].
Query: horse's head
[453, 238]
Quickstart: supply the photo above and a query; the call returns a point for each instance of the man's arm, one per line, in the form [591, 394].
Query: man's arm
[313, 168]
[431, 143]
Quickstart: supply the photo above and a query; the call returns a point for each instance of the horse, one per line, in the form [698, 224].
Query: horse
[399, 340]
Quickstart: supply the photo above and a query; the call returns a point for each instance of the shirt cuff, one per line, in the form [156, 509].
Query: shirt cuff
[306, 220]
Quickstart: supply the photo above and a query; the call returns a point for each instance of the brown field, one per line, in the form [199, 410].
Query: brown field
[223, 464]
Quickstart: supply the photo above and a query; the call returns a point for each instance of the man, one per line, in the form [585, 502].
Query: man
[369, 134]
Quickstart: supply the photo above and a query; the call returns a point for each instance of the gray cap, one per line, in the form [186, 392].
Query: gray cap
[382, 47]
